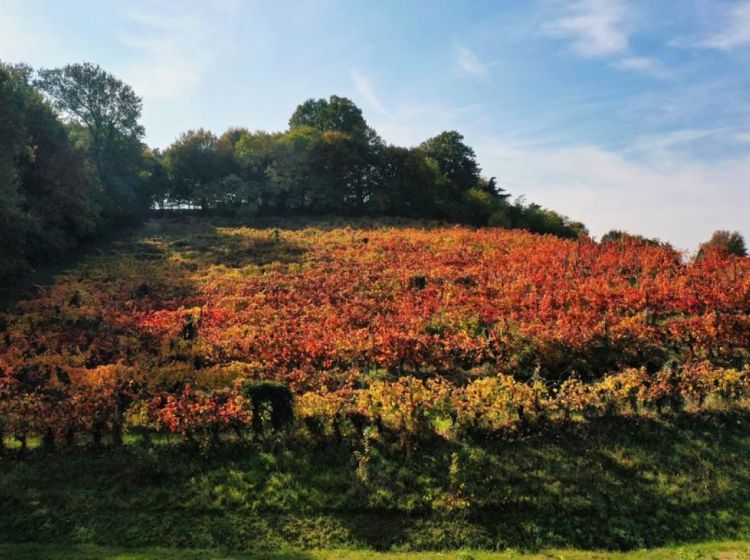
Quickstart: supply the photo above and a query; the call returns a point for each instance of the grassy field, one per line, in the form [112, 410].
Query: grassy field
[621, 485]
[703, 551]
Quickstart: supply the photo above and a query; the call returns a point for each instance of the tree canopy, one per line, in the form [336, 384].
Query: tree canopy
[330, 161]
[456, 160]
[50, 193]
[107, 113]
[729, 242]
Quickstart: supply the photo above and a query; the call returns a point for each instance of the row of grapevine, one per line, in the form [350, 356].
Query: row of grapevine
[168, 324]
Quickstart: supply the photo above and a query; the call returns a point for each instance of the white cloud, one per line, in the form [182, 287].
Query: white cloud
[469, 62]
[735, 31]
[594, 27]
[643, 65]
[367, 91]
[676, 199]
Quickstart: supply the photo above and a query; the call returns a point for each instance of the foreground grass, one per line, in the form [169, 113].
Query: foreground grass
[704, 551]
[618, 484]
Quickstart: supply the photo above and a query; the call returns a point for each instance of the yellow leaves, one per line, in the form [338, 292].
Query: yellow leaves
[402, 405]
[321, 405]
[101, 377]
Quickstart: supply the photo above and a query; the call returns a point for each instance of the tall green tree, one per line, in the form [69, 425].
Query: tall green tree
[193, 166]
[59, 184]
[347, 158]
[50, 194]
[14, 223]
[107, 112]
[254, 154]
[456, 159]
[411, 185]
[336, 114]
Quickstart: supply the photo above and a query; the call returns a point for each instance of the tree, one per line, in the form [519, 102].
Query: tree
[50, 196]
[294, 180]
[156, 178]
[330, 161]
[193, 164]
[729, 242]
[336, 114]
[14, 223]
[108, 111]
[58, 182]
[254, 154]
[616, 235]
[455, 159]
[492, 188]
[535, 219]
[409, 185]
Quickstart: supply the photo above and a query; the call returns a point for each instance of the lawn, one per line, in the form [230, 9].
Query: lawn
[616, 484]
[703, 551]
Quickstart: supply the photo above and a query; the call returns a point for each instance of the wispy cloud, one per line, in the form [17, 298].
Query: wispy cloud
[734, 31]
[366, 89]
[665, 146]
[410, 123]
[469, 62]
[644, 65]
[594, 27]
[172, 48]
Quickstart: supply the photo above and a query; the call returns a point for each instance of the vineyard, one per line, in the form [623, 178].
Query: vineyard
[216, 332]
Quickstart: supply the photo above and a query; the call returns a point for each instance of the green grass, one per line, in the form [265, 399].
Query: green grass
[618, 484]
[704, 551]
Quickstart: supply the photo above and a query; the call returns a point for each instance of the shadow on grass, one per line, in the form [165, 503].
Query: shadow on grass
[199, 240]
[618, 484]
[84, 552]
[203, 242]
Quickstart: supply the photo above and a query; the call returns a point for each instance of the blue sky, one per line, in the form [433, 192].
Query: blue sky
[621, 113]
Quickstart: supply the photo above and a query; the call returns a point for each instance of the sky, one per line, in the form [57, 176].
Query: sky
[623, 114]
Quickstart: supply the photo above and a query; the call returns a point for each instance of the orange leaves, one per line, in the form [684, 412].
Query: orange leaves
[317, 309]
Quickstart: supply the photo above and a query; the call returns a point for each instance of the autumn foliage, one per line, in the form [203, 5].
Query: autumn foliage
[416, 331]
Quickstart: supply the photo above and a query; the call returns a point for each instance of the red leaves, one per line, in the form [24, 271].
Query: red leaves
[189, 411]
[320, 316]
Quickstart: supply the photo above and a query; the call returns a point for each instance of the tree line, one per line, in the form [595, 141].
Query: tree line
[330, 161]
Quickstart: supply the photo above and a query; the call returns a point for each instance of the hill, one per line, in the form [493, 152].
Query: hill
[365, 384]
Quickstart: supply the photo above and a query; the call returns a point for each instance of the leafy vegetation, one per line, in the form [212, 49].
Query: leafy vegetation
[370, 382]
[728, 242]
[707, 551]
[330, 161]
[414, 332]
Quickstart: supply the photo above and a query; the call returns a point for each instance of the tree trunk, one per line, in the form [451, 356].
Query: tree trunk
[117, 433]
[48, 441]
[97, 435]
